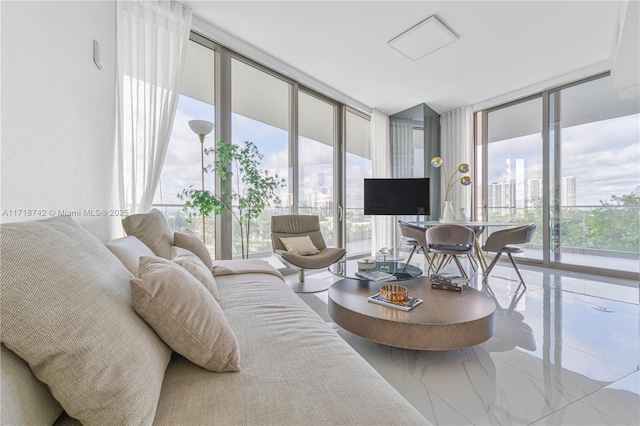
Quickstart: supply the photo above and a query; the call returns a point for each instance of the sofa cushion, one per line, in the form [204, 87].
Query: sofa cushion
[129, 250]
[24, 399]
[194, 265]
[296, 370]
[190, 241]
[184, 314]
[152, 229]
[66, 310]
[299, 245]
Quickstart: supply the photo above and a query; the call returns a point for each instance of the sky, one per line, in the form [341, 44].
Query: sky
[604, 157]
[182, 162]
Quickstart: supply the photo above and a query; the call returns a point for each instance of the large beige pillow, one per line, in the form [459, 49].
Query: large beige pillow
[300, 245]
[152, 229]
[24, 399]
[194, 265]
[190, 241]
[184, 314]
[66, 310]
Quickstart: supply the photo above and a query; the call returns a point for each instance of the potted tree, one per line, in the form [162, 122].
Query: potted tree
[252, 188]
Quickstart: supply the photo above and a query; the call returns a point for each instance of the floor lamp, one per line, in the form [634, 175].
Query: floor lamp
[201, 128]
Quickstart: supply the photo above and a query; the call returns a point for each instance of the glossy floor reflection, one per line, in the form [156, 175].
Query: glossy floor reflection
[565, 352]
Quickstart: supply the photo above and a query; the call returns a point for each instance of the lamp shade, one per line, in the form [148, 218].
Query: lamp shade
[201, 127]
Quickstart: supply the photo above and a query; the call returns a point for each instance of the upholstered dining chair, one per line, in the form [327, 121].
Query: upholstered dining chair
[451, 241]
[415, 237]
[502, 242]
[298, 243]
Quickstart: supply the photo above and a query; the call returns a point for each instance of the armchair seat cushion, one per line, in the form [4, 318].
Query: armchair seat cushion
[512, 249]
[324, 258]
[447, 248]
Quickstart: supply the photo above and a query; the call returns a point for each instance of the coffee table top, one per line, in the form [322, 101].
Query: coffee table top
[402, 271]
[444, 320]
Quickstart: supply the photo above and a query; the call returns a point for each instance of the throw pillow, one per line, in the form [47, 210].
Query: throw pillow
[300, 245]
[194, 265]
[66, 310]
[190, 241]
[153, 230]
[128, 250]
[184, 314]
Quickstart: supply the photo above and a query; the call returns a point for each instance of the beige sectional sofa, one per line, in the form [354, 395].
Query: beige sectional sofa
[74, 349]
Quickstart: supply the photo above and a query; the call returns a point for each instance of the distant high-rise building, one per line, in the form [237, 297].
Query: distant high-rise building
[533, 193]
[568, 191]
[534, 187]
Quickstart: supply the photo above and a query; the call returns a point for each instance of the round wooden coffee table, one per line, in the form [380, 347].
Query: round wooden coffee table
[444, 320]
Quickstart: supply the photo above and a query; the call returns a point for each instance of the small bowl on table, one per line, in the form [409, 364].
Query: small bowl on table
[394, 293]
[366, 264]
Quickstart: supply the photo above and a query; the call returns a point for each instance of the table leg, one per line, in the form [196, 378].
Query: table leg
[478, 248]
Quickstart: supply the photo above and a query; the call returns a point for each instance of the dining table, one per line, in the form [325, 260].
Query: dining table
[478, 227]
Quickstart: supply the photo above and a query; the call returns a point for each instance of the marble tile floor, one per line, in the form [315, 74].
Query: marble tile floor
[565, 352]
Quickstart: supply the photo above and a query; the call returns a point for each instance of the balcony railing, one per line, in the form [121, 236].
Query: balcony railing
[358, 228]
[585, 235]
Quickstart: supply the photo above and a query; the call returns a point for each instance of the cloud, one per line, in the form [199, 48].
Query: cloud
[603, 156]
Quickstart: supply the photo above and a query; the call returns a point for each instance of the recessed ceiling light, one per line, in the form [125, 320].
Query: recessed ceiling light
[423, 39]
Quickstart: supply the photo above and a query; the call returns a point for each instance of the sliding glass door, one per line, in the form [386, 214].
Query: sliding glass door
[595, 181]
[317, 134]
[514, 167]
[358, 166]
[568, 160]
[261, 108]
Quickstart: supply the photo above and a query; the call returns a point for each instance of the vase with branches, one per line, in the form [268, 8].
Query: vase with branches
[449, 182]
[252, 188]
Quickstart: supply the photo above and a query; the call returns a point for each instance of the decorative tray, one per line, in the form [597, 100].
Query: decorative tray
[411, 302]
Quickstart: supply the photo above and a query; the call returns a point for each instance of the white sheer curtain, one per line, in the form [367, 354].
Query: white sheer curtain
[456, 147]
[401, 147]
[152, 40]
[380, 155]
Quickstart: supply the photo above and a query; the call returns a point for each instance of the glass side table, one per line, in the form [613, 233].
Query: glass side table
[402, 271]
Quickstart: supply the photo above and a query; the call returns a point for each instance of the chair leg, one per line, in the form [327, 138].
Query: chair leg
[410, 256]
[473, 262]
[442, 262]
[431, 260]
[517, 271]
[460, 268]
[491, 265]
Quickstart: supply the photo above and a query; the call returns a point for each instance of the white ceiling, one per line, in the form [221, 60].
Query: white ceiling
[503, 47]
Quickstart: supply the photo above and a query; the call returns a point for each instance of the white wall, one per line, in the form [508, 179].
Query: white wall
[58, 111]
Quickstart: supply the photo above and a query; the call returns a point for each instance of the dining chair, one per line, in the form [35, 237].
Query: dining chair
[307, 249]
[415, 237]
[451, 241]
[502, 242]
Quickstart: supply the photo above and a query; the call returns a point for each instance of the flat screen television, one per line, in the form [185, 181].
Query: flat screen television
[403, 196]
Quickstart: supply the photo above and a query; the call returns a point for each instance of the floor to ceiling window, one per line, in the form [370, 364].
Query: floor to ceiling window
[567, 160]
[316, 141]
[297, 130]
[358, 166]
[181, 168]
[514, 167]
[260, 105]
[595, 181]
